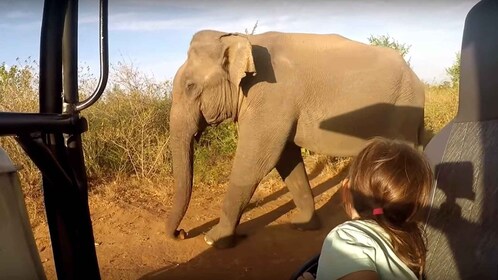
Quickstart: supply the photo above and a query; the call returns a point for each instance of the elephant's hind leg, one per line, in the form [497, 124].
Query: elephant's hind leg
[291, 169]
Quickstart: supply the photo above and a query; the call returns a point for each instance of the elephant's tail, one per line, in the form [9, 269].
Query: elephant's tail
[421, 136]
[419, 101]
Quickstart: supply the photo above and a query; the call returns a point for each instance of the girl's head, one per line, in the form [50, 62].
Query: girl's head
[394, 177]
[391, 175]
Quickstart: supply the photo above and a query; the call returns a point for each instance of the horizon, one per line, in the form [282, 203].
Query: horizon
[154, 35]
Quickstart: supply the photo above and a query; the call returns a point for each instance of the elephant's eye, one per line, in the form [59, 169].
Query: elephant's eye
[189, 86]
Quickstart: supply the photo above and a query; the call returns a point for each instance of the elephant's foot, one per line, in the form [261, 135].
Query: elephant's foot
[219, 239]
[181, 234]
[178, 235]
[302, 222]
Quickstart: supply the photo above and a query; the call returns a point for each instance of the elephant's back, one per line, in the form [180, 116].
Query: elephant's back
[301, 43]
[329, 66]
[303, 54]
[283, 37]
[318, 44]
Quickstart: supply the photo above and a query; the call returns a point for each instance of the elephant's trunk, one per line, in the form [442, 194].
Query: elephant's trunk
[182, 150]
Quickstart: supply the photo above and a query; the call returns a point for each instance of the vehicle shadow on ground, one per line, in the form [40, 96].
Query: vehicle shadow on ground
[266, 252]
[275, 214]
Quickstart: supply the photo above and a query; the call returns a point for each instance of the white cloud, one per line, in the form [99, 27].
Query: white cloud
[28, 25]
[87, 18]
[149, 25]
[18, 14]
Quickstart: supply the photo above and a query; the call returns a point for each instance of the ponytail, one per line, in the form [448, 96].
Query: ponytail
[408, 244]
[389, 182]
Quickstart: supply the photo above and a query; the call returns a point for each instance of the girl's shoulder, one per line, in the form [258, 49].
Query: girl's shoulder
[362, 228]
[361, 233]
[365, 239]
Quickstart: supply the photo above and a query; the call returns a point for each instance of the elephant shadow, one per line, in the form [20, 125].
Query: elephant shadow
[276, 251]
[364, 123]
[264, 69]
[266, 219]
[264, 251]
[357, 123]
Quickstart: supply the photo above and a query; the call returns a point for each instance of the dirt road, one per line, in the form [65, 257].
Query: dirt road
[131, 242]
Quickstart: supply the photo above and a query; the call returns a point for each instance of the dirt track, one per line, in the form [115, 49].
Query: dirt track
[131, 242]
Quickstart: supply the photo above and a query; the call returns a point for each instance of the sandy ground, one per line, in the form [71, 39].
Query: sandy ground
[131, 242]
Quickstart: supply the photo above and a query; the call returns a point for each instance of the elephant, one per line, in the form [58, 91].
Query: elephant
[285, 91]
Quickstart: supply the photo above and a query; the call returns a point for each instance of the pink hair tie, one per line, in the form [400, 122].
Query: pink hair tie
[378, 211]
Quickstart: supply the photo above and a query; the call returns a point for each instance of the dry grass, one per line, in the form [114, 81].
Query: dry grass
[126, 147]
[18, 94]
[128, 129]
[440, 107]
[151, 194]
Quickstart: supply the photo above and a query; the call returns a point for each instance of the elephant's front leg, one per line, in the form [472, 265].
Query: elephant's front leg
[257, 154]
[291, 169]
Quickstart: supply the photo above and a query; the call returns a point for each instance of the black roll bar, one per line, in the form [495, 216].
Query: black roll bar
[52, 138]
[104, 58]
[70, 54]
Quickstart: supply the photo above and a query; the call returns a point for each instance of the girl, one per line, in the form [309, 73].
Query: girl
[387, 187]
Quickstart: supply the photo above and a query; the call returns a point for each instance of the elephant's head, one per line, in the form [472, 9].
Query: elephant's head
[206, 90]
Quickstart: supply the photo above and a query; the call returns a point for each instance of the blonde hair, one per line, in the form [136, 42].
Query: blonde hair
[392, 175]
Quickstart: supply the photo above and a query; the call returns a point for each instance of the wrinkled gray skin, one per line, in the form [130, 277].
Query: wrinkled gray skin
[325, 93]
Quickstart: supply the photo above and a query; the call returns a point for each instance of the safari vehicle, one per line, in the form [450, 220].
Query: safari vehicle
[461, 228]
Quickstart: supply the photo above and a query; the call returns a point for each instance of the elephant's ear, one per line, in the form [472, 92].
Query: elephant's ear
[237, 57]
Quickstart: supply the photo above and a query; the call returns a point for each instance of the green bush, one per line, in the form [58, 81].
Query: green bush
[214, 152]
[128, 128]
[389, 42]
[454, 71]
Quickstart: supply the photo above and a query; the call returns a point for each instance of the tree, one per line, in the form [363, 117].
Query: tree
[454, 71]
[253, 29]
[388, 41]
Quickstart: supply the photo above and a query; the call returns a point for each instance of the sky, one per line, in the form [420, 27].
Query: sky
[154, 35]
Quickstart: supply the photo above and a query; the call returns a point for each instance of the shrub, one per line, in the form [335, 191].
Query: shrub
[129, 128]
[389, 42]
[454, 71]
